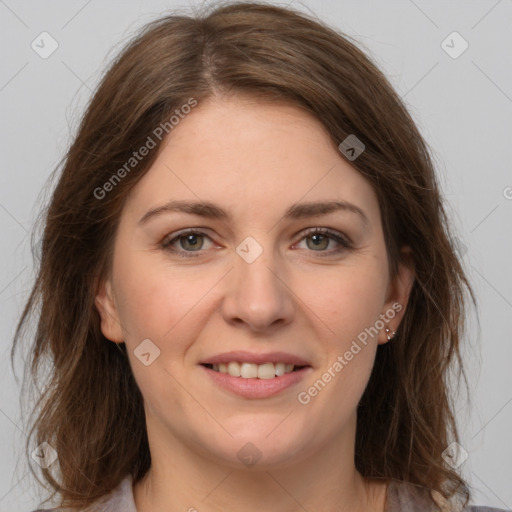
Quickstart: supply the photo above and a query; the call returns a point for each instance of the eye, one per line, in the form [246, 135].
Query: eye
[190, 241]
[321, 238]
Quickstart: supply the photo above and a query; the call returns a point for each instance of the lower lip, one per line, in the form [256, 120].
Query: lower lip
[257, 388]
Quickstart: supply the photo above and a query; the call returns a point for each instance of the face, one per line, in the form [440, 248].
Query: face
[267, 276]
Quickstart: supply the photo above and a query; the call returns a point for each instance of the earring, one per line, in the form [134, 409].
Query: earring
[387, 334]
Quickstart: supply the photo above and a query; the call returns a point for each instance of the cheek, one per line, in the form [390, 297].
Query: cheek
[347, 304]
[159, 300]
[161, 303]
[348, 311]
[347, 300]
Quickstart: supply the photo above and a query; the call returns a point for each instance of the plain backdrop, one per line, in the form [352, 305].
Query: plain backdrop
[460, 97]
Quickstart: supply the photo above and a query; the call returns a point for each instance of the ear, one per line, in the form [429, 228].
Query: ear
[105, 304]
[398, 296]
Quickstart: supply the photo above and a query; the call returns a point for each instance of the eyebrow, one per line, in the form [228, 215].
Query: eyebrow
[210, 210]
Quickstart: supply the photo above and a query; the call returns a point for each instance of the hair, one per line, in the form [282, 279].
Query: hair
[91, 409]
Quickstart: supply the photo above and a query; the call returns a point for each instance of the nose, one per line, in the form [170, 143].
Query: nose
[257, 294]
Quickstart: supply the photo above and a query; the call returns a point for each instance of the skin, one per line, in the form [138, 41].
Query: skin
[255, 160]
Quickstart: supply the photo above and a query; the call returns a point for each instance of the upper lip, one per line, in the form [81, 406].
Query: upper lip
[252, 357]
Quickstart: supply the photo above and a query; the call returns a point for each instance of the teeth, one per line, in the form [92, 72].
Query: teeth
[233, 369]
[253, 371]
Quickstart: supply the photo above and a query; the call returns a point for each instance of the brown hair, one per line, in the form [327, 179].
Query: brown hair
[91, 411]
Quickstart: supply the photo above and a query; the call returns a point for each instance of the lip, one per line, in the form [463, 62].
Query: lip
[256, 388]
[242, 356]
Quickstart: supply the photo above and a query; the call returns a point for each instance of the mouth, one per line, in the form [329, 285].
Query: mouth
[265, 371]
[252, 375]
[255, 381]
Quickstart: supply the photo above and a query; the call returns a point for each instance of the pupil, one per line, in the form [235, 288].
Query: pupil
[318, 239]
[192, 240]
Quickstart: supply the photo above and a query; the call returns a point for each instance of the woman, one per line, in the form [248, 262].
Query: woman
[247, 286]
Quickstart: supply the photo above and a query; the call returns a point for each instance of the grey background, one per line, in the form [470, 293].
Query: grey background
[462, 105]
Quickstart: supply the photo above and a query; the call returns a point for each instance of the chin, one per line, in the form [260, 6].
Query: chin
[253, 448]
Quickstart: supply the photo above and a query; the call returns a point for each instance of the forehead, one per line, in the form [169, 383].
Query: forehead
[247, 155]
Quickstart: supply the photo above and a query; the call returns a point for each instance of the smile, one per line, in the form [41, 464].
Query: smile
[254, 371]
[249, 384]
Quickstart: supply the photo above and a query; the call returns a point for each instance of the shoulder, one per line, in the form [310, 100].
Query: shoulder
[485, 509]
[119, 499]
[405, 496]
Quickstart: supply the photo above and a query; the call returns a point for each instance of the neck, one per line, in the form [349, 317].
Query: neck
[182, 478]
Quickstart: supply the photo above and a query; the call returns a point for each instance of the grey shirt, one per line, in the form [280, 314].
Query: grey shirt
[401, 497]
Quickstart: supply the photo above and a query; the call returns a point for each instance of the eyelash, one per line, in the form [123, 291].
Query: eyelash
[344, 242]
